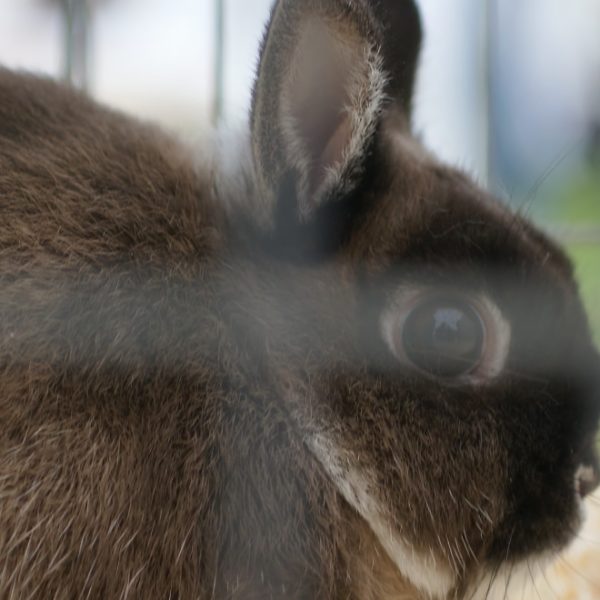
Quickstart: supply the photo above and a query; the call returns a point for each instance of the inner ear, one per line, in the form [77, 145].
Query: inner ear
[321, 107]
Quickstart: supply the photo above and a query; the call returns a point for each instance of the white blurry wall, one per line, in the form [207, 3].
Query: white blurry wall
[30, 36]
[547, 85]
[154, 58]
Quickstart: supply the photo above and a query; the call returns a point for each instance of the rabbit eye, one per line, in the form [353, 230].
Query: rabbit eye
[447, 334]
[444, 336]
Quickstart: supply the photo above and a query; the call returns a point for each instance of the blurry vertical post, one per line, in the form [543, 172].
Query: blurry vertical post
[76, 24]
[219, 61]
[489, 15]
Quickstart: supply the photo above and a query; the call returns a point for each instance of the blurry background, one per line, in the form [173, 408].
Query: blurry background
[509, 89]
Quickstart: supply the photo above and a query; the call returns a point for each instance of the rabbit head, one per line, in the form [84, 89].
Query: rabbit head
[344, 371]
[437, 357]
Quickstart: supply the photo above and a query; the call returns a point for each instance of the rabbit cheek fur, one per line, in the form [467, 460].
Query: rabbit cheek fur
[201, 388]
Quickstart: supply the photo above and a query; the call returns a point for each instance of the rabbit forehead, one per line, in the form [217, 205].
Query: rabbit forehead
[418, 209]
[426, 571]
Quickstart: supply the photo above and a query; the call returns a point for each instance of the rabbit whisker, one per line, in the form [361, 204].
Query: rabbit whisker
[532, 194]
[479, 510]
[467, 546]
[524, 590]
[564, 561]
[512, 566]
[543, 578]
[520, 215]
[550, 587]
[508, 579]
[535, 587]
[478, 583]
[492, 581]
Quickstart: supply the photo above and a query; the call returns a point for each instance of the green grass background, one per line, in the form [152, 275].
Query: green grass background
[587, 263]
[579, 205]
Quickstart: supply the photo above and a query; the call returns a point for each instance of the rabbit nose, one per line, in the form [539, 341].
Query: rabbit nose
[587, 480]
[587, 476]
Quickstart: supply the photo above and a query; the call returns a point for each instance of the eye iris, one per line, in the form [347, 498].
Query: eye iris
[444, 336]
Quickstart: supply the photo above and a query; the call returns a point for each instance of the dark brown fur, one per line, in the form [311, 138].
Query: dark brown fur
[166, 357]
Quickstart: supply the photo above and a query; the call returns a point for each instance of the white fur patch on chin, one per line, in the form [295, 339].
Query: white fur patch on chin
[422, 570]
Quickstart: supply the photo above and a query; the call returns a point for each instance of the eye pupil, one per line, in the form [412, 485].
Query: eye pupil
[444, 336]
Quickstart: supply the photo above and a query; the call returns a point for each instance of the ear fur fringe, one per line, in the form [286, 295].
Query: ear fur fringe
[367, 98]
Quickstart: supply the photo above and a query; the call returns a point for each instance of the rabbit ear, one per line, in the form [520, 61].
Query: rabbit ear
[400, 43]
[327, 69]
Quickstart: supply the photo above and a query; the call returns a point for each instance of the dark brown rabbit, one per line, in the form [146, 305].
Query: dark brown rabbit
[342, 372]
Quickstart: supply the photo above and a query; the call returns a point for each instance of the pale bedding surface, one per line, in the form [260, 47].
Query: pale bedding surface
[576, 575]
